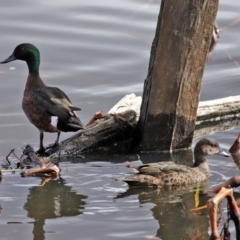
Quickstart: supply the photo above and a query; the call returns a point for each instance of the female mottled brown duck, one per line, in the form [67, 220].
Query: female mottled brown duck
[47, 108]
[172, 174]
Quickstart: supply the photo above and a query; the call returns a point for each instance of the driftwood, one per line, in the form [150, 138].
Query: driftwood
[224, 108]
[222, 191]
[212, 206]
[46, 167]
[51, 170]
[226, 190]
[119, 123]
[217, 115]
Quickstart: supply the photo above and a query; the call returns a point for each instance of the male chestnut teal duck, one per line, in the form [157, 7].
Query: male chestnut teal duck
[171, 174]
[47, 108]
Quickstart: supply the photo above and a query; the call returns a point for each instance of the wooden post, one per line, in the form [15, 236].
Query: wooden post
[172, 87]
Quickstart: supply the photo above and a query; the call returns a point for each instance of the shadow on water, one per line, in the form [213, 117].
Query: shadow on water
[52, 199]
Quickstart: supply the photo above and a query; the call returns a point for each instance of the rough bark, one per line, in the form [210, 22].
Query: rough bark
[173, 83]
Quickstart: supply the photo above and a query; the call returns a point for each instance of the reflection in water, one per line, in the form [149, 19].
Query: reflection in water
[173, 212]
[51, 200]
[173, 205]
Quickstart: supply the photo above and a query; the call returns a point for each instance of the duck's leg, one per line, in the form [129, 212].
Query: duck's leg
[58, 135]
[55, 143]
[41, 147]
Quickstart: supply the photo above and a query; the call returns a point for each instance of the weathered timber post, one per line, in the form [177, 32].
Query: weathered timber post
[172, 87]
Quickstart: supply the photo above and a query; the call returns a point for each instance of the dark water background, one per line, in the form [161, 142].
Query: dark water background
[97, 52]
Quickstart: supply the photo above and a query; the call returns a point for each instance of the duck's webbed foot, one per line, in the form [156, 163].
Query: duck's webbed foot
[55, 144]
[40, 151]
[51, 145]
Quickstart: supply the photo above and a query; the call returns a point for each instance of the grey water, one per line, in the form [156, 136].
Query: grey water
[97, 52]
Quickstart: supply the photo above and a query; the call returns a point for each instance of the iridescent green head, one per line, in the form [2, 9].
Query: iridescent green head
[28, 53]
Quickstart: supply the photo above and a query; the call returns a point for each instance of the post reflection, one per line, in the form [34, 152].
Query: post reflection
[53, 199]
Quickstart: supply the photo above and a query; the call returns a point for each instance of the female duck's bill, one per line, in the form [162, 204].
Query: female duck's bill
[223, 153]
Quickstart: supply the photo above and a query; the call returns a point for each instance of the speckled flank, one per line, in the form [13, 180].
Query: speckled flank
[169, 179]
[171, 174]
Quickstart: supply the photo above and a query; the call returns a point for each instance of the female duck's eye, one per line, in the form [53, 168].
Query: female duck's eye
[213, 145]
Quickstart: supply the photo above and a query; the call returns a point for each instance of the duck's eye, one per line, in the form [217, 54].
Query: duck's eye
[22, 49]
[213, 145]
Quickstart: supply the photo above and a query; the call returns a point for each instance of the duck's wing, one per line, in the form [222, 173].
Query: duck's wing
[162, 168]
[55, 102]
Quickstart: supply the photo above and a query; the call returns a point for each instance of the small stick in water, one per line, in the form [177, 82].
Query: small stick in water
[9, 163]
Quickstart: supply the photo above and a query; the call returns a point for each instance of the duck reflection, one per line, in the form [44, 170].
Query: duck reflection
[174, 211]
[175, 207]
[53, 199]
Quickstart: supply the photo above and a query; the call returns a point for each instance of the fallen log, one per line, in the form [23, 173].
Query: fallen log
[217, 115]
[224, 108]
[118, 125]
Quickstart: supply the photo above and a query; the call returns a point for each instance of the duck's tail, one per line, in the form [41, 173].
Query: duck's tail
[141, 180]
[72, 124]
[136, 183]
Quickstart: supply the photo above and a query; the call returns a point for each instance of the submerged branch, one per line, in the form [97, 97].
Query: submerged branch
[233, 209]
[226, 190]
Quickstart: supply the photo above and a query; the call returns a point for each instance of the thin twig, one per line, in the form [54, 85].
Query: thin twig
[15, 155]
[9, 163]
[236, 21]
[12, 170]
[232, 59]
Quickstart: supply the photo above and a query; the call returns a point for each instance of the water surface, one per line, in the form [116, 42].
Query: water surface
[98, 51]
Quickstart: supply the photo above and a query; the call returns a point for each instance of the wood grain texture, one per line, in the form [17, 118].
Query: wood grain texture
[177, 61]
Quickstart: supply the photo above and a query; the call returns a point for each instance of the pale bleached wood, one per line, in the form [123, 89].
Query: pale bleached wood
[219, 108]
